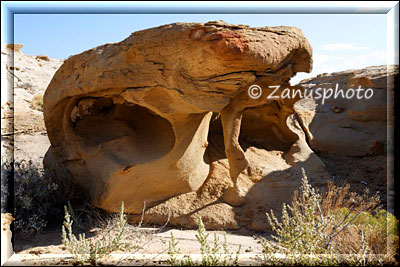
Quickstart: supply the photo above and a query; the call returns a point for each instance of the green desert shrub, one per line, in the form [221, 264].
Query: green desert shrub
[211, 255]
[38, 201]
[85, 250]
[332, 228]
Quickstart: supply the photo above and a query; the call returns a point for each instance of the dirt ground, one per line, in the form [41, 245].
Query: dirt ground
[150, 246]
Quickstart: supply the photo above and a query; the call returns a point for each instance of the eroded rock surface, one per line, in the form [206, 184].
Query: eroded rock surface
[357, 126]
[163, 121]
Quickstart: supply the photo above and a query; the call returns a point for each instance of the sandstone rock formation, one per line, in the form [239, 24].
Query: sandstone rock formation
[163, 121]
[357, 127]
[25, 79]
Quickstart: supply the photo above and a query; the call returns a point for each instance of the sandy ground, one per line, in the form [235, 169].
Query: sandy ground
[151, 246]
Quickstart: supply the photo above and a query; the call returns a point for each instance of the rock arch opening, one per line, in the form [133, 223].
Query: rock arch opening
[131, 133]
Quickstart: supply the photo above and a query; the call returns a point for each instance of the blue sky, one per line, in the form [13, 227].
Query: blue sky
[339, 41]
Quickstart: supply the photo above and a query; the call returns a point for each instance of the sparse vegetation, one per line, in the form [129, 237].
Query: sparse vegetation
[210, 256]
[37, 102]
[92, 250]
[38, 201]
[337, 227]
[380, 233]
[331, 227]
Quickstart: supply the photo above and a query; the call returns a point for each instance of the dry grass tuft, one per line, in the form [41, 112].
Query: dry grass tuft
[336, 197]
[42, 57]
[37, 102]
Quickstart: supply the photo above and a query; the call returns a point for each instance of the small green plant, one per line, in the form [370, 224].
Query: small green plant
[91, 251]
[210, 255]
[174, 251]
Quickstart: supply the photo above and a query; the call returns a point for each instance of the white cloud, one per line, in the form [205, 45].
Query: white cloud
[342, 46]
[328, 63]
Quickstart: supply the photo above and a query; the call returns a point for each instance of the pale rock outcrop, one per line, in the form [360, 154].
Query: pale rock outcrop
[357, 126]
[25, 77]
[24, 80]
[6, 235]
[133, 121]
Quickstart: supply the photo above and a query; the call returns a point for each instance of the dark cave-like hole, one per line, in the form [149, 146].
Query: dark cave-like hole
[129, 133]
[259, 128]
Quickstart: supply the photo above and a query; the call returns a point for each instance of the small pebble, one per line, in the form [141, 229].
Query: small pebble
[249, 249]
[337, 109]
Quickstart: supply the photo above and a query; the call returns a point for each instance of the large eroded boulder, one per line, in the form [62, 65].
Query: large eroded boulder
[357, 126]
[133, 121]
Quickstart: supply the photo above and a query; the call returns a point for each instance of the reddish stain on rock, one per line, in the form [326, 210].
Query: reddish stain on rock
[228, 42]
[223, 42]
